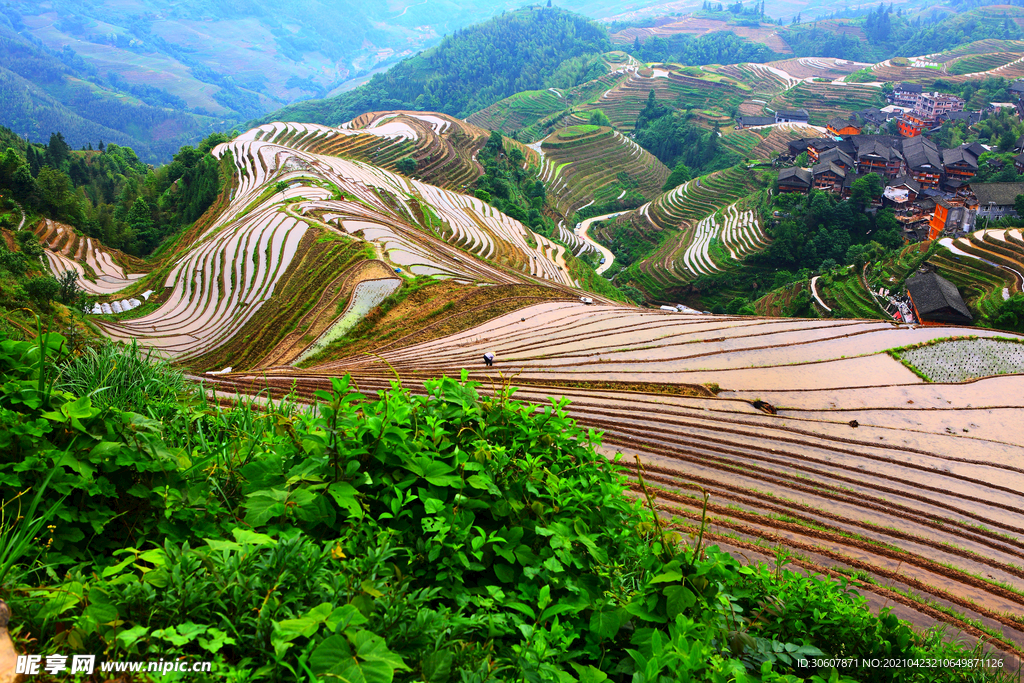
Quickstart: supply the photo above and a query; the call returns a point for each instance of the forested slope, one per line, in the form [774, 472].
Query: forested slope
[469, 70]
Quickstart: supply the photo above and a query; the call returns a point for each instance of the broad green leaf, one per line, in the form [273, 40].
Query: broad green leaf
[544, 598]
[679, 599]
[249, 537]
[437, 667]
[371, 647]
[607, 623]
[504, 572]
[434, 471]
[343, 617]
[589, 674]
[130, 636]
[344, 495]
[432, 505]
[110, 571]
[670, 576]
[525, 609]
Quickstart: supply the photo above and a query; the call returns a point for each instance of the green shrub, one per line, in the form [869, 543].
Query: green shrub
[42, 290]
[433, 537]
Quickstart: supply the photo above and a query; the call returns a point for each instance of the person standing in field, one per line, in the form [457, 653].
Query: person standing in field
[489, 358]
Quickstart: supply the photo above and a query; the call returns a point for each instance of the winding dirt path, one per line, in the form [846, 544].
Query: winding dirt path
[814, 292]
[609, 257]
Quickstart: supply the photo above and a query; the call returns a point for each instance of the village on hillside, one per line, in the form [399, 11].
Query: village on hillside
[931, 190]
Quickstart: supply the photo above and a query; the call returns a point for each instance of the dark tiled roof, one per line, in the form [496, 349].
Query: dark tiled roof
[934, 295]
[792, 114]
[905, 180]
[836, 155]
[1019, 159]
[974, 148]
[795, 176]
[755, 120]
[873, 115]
[920, 152]
[958, 155]
[839, 124]
[879, 149]
[910, 87]
[888, 140]
[826, 166]
[971, 117]
[1017, 86]
[1000, 194]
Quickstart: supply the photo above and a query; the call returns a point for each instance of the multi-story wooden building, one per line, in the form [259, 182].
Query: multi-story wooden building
[828, 176]
[843, 127]
[795, 179]
[959, 163]
[876, 156]
[792, 116]
[924, 162]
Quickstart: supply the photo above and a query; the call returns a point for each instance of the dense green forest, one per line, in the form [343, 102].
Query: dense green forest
[677, 139]
[816, 231]
[107, 192]
[470, 69]
[722, 47]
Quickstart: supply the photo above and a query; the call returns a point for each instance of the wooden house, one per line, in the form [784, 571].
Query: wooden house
[936, 300]
[828, 176]
[792, 116]
[924, 162]
[795, 179]
[959, 163]
[907, 94]
[877, 156]
[843, 127]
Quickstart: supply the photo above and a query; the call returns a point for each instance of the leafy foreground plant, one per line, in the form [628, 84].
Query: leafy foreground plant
[436, 537]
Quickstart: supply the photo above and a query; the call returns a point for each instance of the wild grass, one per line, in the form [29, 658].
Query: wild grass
[124, 376]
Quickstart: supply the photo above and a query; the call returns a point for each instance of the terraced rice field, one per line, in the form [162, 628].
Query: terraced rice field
[846, 292]
[966, 359]
[530, 114]
[987, 266]
[100, 270]
[236, 265]
[818, 442]
[714, 93]
[742, 142]
[972, 64]
[701, 216]
[582, 166]
[827, 100]
[819, 67]
[779, 137]
[444, 147]
[520, 110]
[366, 296]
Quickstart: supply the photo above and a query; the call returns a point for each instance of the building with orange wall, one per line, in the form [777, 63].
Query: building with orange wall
[841, 127]
[911, 125]
[938, 222]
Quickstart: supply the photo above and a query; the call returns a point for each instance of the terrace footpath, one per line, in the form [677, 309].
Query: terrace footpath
[609, 257]
[814, 291]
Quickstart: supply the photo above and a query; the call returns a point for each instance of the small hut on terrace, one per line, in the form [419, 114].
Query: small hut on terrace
[936, 300]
